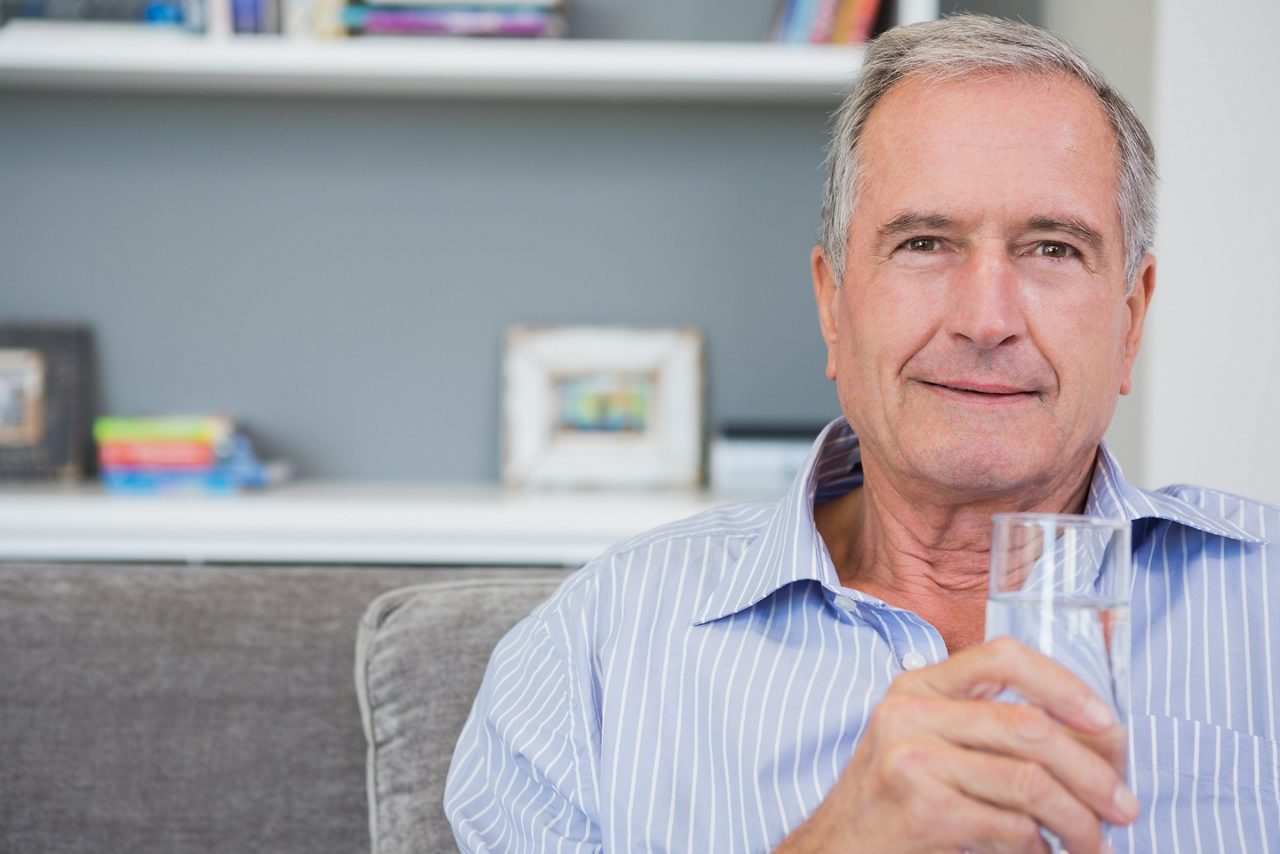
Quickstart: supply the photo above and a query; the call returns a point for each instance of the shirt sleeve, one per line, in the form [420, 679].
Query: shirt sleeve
[522, 776]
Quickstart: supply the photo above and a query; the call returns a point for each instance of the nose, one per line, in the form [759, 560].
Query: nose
[985, 305]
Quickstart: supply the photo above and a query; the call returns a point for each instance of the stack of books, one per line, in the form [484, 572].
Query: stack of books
[511, 18]
[825, 21]
[202, 454]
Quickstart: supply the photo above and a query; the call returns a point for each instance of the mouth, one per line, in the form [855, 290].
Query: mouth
[981, 392]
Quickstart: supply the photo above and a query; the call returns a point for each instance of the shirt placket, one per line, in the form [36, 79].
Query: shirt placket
[913, 643]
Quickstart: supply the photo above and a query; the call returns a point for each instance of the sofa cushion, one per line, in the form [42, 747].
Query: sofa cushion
[420, 656]
[185, 709]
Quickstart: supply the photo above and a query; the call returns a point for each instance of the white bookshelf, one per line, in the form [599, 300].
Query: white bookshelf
[58, 55]
[335, 523]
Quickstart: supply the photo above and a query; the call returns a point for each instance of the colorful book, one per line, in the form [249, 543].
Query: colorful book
[824, 21]
[205, 454]
[855, 21]
[452, 22]
[198, 428]
[169, 454]
[152, 482]
[798, 21]
[488, 5]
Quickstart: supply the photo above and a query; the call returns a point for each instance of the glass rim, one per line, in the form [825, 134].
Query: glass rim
[1078, 520]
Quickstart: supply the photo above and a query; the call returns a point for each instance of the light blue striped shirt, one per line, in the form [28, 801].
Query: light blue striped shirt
[701, 687]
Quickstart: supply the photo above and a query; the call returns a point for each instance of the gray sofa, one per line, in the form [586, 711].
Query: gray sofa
[159, 708]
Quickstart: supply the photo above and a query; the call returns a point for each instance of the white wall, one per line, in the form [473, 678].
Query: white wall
[1212, 404]
[1118, 38]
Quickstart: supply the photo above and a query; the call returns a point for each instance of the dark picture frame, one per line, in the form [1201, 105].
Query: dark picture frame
[47, 401]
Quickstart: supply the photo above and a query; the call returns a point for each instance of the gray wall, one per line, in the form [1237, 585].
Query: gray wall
[338, 273]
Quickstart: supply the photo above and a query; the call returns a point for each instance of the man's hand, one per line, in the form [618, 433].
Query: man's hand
[943, 767]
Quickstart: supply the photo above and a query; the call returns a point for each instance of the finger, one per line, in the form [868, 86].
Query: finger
[983, 672]
[947, 819]
[1019, 732]
[1028, 733]
[1026, 787]
[992, 830]
[1112, 745]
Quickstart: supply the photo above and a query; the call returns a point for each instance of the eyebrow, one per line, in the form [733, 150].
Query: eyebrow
[909, 221]
[1072, 226]
[915, 221]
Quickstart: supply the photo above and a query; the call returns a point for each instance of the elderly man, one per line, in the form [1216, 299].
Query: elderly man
[810, 676]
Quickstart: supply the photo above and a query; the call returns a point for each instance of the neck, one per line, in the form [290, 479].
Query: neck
[925, 555]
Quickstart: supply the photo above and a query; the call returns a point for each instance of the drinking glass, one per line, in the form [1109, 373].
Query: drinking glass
[1060, 585]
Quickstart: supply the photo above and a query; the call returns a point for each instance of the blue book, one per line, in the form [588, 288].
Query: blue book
[802, 19]
[143, 482]
[246, 16]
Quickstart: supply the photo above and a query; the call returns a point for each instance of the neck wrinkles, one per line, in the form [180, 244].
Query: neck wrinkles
[905, 547]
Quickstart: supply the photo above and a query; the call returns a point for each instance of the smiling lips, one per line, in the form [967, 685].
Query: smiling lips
[976, 392]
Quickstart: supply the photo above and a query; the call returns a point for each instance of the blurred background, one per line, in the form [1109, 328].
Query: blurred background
[338, 271]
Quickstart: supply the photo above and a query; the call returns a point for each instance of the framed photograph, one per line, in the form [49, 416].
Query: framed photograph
[46, 401]
[599, 406]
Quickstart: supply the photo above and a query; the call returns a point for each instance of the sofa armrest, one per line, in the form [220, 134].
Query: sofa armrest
[421, 653]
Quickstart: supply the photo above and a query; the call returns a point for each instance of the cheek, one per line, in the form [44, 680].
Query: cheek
[1085, 345]
[891, 320]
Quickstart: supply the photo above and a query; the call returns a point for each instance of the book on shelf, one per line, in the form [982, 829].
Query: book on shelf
[170, 454]
[211, 429]
[838, 21]
[204, 454]
[430, 19]
[135, 11]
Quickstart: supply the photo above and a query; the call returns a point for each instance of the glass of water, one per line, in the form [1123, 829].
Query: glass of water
[1060, 584]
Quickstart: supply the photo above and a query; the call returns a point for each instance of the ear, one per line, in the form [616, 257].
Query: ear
[826, 291]
[1144, 285]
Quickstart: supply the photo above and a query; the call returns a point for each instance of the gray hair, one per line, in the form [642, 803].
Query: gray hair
[965, 45]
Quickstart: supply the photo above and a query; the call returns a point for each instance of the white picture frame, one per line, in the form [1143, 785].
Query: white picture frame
[603, 407]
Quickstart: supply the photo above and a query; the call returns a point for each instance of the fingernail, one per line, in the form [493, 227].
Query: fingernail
[1099, 713]
[1125, 802]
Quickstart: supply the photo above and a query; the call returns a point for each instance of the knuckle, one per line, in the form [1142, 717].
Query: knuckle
[896, 709]
[1011, 831]
[1023, 832]
[1029, 723]
[883, 717]
[903, 764]
[1030, 783]
[1006, 649]
[1086, 836]
[921, 812]
[906, 682]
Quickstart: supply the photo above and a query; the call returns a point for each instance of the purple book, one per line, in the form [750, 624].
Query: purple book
[400, 21]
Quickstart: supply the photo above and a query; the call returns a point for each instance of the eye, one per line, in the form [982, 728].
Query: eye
[923, 244]
[1054, 249]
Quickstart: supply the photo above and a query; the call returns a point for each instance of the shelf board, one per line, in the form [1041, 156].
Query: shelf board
[335, 523]
[61, 55]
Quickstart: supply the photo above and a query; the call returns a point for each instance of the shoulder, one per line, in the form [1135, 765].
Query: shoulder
[1259, 519]
[729, 522]
[663, 570]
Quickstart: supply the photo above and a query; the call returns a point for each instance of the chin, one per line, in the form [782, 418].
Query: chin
[981, 468]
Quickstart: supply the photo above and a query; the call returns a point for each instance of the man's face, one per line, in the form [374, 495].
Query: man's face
[982, 333]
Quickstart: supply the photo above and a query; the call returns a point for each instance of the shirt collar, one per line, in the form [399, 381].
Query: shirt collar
[789, 548]
[1112, 496]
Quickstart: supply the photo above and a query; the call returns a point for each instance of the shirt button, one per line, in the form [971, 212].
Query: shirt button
[913, 661]
[844, 603]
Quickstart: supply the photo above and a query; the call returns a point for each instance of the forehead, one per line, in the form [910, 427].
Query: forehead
[1013, 145]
